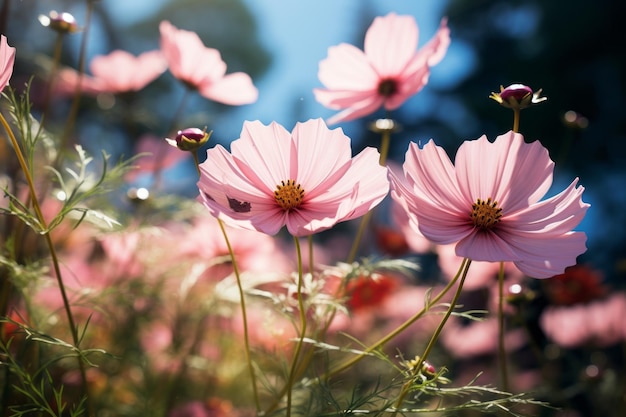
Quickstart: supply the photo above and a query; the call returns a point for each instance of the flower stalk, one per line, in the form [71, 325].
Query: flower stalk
[504, 378]
[53, 255]
[242, 303]
[303, 328]
[406, 388]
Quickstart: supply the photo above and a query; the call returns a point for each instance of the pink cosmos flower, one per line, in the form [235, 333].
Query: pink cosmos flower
[202, 68]
[306, 179]
[7, 59]
[488, 203]
[117, 72]
[385, 74]
[600, 323]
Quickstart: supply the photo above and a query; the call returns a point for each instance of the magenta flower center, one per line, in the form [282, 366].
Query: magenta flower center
[288, 194]
[387, 88]
[485, 214]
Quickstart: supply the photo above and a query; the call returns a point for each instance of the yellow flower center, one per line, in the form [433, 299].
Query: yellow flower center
[288, 194]
[485, 214]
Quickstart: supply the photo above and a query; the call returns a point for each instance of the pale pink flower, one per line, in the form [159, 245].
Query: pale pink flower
[202, 68]
[478, 338]
[600, 323]
[386, 73]
[7, 59]
[488, 203]
[120, 71]
[254, 252]
[117, 72]
[306, 180]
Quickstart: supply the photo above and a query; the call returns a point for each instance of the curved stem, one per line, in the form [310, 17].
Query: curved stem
[303, 324]
[244, 314]
[501, 348]
[53, 254]
[407, 386]
[399, 329]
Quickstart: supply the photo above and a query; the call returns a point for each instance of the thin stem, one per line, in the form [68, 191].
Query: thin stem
[55, 261]
[504, 378]
[399, 329]
[311, 257]
[303, 324]
[431, 344]
[385, 141]
[71, 118]
[244, 314]
[160, 154]
[384, 151]
[359, 236]
[516, 113]
[56, 58]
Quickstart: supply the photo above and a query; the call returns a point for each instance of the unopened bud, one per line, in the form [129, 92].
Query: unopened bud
[517, 96]
[190, 139]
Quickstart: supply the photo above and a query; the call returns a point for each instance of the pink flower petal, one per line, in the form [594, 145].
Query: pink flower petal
[347, 68]
[390, 43]
[486, 246]
[202, 68]
[7, 60]
[234, 89]
[556, 215]
[264, 153]
[431, 173]
[120, 71]
[321, 163]
[492, 170]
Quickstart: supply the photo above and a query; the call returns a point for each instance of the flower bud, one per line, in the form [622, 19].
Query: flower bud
[60, 22]
[190, 139]
[517, 96]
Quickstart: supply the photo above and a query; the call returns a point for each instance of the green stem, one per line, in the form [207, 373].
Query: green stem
[244, 314]
[384, 146]
[71, 118]
[516, 114]
[56, 58]
[160, 154]
[504, 378]
[399, 329]
[431, 344]
[303, 324]
[311, 257]
[384, 151]
[53, 254]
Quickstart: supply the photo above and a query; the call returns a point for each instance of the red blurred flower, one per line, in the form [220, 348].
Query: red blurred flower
[391, 241]
[578, 284]
[369, 291]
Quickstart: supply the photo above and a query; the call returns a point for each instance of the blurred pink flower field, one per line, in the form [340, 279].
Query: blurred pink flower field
[307, 274]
